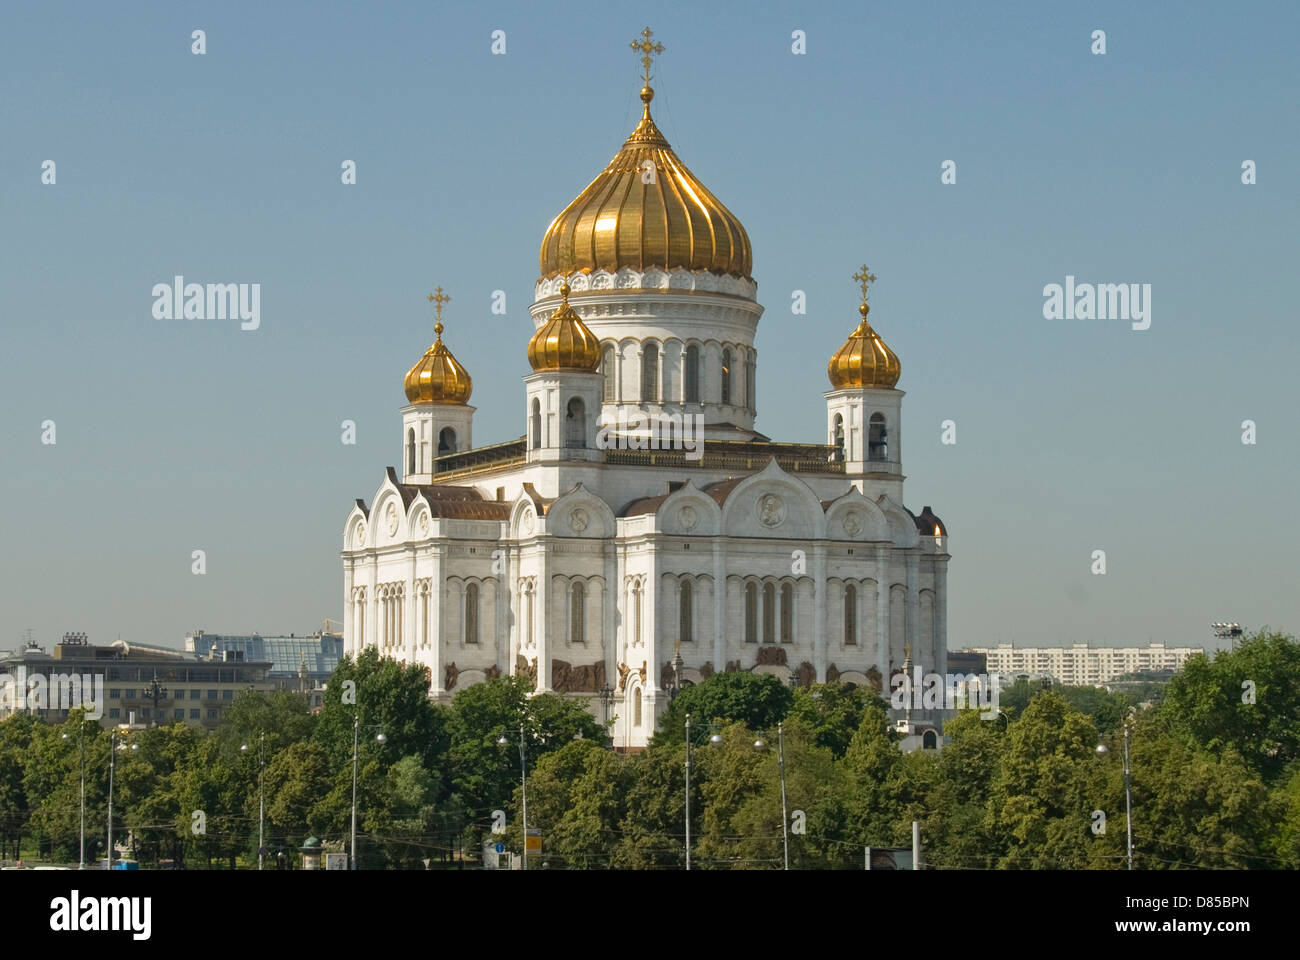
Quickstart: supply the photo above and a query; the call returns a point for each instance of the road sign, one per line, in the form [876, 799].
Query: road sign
[533, 842]
[500, 848]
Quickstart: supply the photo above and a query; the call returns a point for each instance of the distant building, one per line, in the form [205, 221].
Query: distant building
[126, 683]
[1079, 664]
[301, 664]
[967, 661]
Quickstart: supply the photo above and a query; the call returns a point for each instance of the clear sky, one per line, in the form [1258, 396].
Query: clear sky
[1072, 435]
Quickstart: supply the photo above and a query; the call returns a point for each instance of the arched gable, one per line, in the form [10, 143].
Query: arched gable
[854, 517]
[773, 503]
[580, 513]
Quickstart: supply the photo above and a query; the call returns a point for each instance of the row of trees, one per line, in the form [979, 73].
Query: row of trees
[1215, 776]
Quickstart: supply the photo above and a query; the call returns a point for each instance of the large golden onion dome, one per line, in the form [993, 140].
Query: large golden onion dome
[640, 215]
[864, 360]
[564, 342]
[438, 377]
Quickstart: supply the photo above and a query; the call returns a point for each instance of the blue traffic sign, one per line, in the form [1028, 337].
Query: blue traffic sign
[501, 848]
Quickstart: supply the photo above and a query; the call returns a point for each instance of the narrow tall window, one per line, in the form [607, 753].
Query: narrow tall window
[575, 424]
[636, 614]
[787, 613]
[686, 613]
[726, 376]
[750, 378]
[471, 613]
[578, 613]
[636, 708]
[649, 373]
[850, 615]
[751, 613]
[446, 441]
[528, 613]
[769, 613]
[877, 438]
[609, 373]
[838, 437]
[537, 424]
[691, 378]
[410, 451]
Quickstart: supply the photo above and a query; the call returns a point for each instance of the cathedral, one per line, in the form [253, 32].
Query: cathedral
[642, 535]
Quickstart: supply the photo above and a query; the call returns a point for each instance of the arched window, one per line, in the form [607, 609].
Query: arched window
[649, 373]
[751, 613]
[877, 447]
[850, 615]
[537, 424]
[929, 740]
[838, 437]
[636, 708]
[410, 451]
[575, 424]
[471, 613]
[749, 383]
[691, 378]
[769, 613]
[578, 612]
[686, 613]
[787, 613]
[446, 441]
[609, 372]
[726, 376]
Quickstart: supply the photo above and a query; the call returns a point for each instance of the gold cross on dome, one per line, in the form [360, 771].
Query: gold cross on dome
[647, 50]
[438, 301]
[865, 280]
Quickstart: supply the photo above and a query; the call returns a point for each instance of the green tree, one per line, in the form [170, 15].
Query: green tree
[1248, 698]
[484, 773]
[577, 799]
[759, 701]
[1041, 800]
[834, 711]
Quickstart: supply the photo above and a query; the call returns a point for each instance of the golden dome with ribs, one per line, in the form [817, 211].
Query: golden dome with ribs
[646, 210]
[564, 342]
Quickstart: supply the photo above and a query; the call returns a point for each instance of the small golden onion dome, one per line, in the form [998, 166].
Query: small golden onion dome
[640, 216]
[438, 377]
[564, 342]
[864, 360]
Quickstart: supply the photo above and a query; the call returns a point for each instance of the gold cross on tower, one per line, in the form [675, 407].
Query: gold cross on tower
[865, 280]
[646, 49]
[438, 301]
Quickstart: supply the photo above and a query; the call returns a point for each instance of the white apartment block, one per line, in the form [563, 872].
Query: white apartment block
[1081, 664]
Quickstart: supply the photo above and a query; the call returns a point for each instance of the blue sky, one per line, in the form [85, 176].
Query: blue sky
[1072, 435]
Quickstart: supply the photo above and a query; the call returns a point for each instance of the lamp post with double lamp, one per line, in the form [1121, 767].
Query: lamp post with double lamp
[523, 785]
[81, 738]
[761, 746]
[261, 807]
[1102, 751]
[113, 747]
[379, 738]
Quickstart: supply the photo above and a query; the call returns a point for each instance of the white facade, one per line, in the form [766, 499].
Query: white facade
[588, 566]
[1081, 664]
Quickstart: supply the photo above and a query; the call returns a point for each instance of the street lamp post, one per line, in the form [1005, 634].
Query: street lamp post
[356, 728]
[760, 746]
[81, 737]
[688, 791]
[261, 806]
[113, 747]
[1128, 788]
[523, 785]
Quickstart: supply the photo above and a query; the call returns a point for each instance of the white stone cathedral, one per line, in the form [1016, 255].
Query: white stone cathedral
[611, 539]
